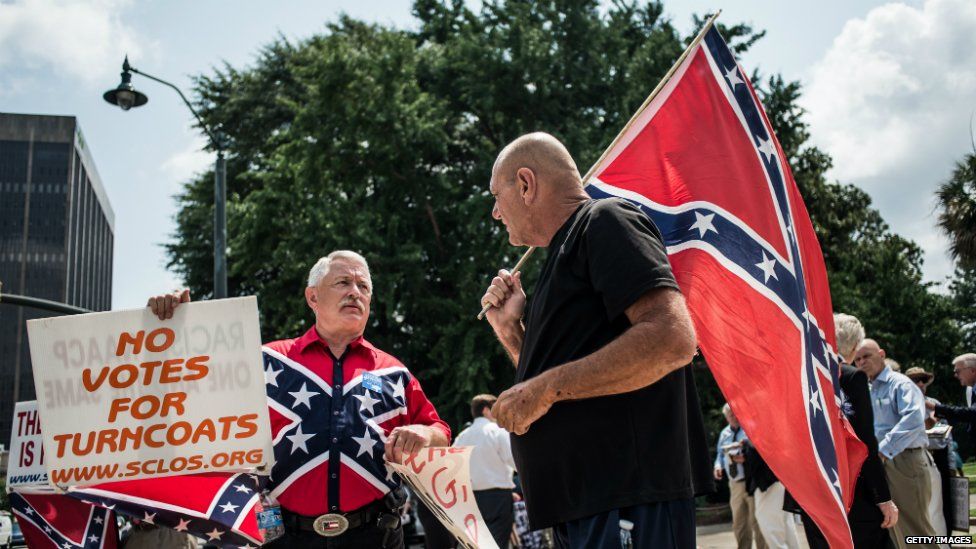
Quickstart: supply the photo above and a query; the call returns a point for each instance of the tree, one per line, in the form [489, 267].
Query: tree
[957, 211]
[382, 140]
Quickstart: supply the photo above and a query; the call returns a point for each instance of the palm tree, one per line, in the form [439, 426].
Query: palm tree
[957, 211]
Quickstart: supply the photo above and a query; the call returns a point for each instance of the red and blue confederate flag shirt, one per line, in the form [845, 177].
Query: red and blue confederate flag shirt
[330, 417]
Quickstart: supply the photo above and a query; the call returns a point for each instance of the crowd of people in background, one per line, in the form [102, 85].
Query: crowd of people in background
[903, 488]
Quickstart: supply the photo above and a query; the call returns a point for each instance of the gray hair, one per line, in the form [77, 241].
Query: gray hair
[849, 331]
[891, 363]
[726, 409]
[968, 360]
[322, 266]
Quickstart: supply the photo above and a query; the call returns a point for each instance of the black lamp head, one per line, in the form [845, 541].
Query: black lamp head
[126, 95]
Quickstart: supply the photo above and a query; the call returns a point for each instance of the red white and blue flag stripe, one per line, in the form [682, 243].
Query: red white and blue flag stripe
[702, 161]
[56, 521]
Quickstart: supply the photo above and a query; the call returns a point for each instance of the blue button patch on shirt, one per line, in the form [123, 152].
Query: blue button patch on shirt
[372, 382]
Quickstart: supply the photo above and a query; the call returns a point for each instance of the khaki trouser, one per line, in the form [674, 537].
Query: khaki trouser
[744, 523]
[910, 483]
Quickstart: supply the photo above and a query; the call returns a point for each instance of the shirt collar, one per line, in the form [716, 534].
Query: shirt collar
[480, 420]
[312, 336]
[884, 376]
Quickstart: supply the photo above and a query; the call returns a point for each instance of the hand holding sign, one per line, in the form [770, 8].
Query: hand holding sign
[441, 478]
[124, 396]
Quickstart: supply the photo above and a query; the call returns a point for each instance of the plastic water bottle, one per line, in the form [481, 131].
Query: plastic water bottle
[626, 535]
[268, 511]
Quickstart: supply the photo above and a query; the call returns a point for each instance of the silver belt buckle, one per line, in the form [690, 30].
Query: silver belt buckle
[330, 525]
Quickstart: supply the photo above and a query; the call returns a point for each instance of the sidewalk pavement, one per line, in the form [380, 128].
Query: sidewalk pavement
[719, 536]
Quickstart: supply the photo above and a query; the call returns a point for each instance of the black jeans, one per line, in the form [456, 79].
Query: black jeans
[364, 537]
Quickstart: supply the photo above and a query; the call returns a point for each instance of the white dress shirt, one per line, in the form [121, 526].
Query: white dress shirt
[492, 464]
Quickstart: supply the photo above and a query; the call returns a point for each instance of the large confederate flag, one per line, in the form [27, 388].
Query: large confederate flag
[702, 161]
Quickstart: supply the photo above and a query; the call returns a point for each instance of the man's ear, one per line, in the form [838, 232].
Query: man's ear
[311, 298]
[528, 185]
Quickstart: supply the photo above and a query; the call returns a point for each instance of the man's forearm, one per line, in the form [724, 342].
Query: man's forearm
[511, 339]
[642, 355]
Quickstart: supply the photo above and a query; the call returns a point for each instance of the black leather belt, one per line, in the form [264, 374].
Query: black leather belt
[334, 524]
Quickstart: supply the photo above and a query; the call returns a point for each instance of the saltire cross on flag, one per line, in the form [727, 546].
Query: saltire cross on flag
[52, 521]
[701, 160]
[216, 507]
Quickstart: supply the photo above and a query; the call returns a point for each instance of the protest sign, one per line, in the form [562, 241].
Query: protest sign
[25, 464]
[441, 477]
[123, 395]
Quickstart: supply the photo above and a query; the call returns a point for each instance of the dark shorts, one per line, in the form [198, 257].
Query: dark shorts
[661, 524]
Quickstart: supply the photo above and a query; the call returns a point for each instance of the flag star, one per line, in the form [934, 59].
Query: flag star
[66, 545]
[367, 401]
[229, 507]
[833, 473]
[389, 473]
[815, 402]
[254, 478]
[733, 76]
[149, 518]
[298, 439]
[47, 529]
[93, 538]
[302, 396]
[29, 511]
[214, 534]
[99, 520]
[703, 223]
[366, 444]
[767, 148]
[768, 268]
[271, 376]
[183, 526]
[398, 390]
[242, 488]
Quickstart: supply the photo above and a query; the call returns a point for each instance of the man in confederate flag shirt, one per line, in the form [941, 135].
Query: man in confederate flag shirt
[604, 416]
[342, 501]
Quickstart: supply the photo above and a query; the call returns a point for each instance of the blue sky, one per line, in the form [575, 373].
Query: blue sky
[890, 89]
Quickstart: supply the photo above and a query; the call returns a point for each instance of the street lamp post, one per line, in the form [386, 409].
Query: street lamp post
[125, 96]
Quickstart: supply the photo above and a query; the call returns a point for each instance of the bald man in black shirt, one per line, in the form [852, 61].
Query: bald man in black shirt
[604, 416]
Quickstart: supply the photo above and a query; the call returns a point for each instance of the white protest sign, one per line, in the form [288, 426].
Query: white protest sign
[442, 478]
[124, 396]
[25, 463]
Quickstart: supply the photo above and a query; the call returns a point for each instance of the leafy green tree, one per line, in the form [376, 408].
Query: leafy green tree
[957, 211]
[382, 140]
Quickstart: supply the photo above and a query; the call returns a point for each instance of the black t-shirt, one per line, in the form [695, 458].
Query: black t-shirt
[589, 456]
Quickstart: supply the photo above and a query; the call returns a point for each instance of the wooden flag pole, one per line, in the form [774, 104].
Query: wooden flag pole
[654, 93]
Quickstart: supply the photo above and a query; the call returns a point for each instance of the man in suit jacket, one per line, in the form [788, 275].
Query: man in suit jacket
[872, 511]
[964, 368]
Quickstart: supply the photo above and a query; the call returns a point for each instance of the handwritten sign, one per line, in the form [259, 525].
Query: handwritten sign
[25, 464]
[125, 396]
[442, 478]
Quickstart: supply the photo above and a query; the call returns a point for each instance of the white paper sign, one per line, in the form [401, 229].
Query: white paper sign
[25, 463]
[442, 478]
[123, 395]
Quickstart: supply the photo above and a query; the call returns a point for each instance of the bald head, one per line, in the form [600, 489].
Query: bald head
[542, 153]
[869, 357]
[536, 187]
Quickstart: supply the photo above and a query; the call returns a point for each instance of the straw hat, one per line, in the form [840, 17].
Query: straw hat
[919, 374]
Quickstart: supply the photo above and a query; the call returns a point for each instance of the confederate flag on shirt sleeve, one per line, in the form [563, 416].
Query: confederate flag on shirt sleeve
[702, 161]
